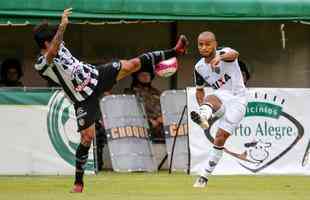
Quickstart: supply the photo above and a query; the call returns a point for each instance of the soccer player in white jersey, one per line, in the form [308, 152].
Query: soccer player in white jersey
[84, 84]
[218, 69]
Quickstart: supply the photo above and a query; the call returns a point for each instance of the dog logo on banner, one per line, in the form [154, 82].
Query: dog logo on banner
[258, 150]
[62, 128]
[266, 134]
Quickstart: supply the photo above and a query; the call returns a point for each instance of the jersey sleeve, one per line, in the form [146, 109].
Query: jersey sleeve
[199, 81]
[224, 50]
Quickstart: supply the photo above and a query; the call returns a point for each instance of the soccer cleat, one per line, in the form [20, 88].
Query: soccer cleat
[77, 188]
[181, 46]
[203, 123]
[200, 182]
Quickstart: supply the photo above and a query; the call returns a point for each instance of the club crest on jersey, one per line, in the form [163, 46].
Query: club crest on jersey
[116, 65]
[80, 113]
[81, 122]
[221, 81]
[216, 70]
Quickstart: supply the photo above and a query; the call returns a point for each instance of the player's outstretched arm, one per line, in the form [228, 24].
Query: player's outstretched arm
[228, 54]
[58, 38]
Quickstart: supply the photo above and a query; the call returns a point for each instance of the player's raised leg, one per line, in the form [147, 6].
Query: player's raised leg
[212, 105]
[150, 59]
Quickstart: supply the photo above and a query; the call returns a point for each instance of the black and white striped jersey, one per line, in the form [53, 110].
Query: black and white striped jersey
[78, 79]
[227, 76]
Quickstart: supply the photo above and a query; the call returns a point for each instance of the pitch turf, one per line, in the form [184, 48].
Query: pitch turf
[156, 186]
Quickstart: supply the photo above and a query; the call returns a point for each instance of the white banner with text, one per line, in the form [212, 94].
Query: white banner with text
[273, 137]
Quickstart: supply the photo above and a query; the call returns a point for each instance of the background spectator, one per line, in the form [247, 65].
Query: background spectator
[150, 97]
[11, 73]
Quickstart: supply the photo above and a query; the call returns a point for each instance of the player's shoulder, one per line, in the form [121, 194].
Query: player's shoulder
[200, 63]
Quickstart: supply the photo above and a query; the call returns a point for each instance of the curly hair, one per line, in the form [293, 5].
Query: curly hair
[8, 64]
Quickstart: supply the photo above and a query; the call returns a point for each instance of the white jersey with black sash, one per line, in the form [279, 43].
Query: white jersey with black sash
[227, 76]
[77, 79]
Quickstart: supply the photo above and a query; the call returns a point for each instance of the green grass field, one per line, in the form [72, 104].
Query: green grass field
[156, 186]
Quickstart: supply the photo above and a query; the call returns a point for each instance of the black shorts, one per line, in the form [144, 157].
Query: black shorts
[88, 111]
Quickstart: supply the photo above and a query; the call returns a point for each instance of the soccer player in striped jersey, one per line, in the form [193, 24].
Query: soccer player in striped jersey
[220, 70]
[84, 83]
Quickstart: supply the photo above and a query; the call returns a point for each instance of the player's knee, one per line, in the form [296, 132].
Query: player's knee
[221, 138]
[131, 65]
[214, 101]
[87, 137]
[220, 112]
[219, 142]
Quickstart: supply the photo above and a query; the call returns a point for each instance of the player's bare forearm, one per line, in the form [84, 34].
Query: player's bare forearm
[229, 55]
[58, 38]
[200, 95]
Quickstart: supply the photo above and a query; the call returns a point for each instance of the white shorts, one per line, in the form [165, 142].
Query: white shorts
[234, 109]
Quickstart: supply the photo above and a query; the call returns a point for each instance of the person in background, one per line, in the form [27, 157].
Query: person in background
[11, 73]
[150, 97]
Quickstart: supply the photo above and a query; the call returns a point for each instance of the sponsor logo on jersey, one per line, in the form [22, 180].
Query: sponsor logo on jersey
[221, 81]
[116, 65]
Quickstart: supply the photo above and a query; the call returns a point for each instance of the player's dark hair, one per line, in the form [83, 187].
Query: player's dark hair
[43, 32]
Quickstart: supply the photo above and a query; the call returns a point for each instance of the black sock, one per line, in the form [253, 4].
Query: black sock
[79, 177]
[81, 159]
[149, 60]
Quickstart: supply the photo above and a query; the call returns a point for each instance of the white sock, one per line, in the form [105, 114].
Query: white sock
[215, 156]
[220, 112]
[206, 111]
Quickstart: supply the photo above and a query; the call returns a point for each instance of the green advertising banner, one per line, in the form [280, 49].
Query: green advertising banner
[42, 132]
